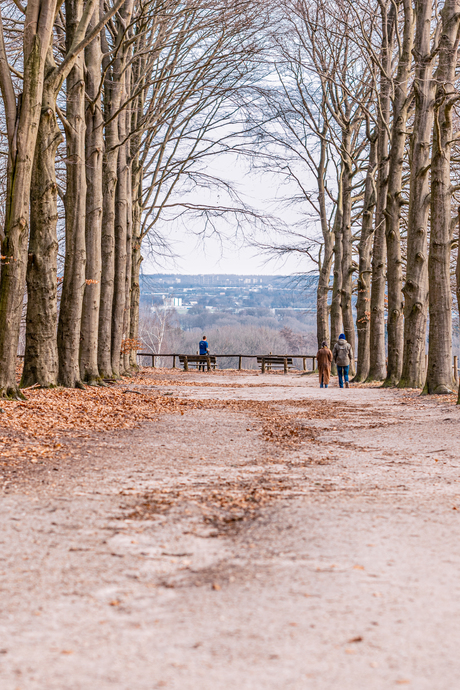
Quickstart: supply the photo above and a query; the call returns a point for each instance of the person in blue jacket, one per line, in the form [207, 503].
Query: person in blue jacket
[343, 357]
[204, 350]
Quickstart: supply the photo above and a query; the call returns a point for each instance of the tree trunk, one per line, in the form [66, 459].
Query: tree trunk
[129, 247]
[121, 233]
[37, 36]
[416, 285]
[336, 303]
[136, 171]
[75, 210]
[113, 88]
[365, 270]
[347, 245]
[377, 365]
[439, 374]
[322, 294]
[121, 79]
[109, 183]
[395, 326]
[135, 297]
[457, 280]
[41, 356]
[89, 370]
[136, 257]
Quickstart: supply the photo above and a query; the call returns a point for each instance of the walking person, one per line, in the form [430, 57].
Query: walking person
[204, 350]
[343, 357]
[324, 359]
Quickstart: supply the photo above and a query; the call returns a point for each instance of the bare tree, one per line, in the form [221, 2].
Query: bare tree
[363, 299]
[439, 374]
[41, 353]
[22, 118]
[377, 367]
[400, 107]
[94, 147]
[416, 285]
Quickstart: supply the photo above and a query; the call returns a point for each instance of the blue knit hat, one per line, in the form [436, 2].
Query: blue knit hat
[342, 336]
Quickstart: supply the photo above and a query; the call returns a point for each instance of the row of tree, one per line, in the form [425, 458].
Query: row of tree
[112, 107]
[364, 104]
[109, 107]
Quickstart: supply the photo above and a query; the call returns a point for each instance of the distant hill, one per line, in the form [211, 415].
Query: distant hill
[234, 293]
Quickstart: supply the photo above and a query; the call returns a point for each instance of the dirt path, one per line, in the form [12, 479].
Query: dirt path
[277, 536]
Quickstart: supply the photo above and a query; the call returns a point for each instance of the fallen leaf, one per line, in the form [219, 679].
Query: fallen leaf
[216, 586]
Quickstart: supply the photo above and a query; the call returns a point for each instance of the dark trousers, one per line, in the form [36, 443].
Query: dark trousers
[343, 374]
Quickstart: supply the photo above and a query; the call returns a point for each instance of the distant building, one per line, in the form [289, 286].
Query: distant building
[171, 302]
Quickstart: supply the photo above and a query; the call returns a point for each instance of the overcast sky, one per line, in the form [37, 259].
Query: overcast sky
[229, 254]
[193, 257]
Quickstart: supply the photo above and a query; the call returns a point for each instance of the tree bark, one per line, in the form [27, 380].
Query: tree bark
[113, 87]
[118, 257]
[416, 285]
[377, 365]
[395, 326]
[109, 183]
[322, 294]
[336, 303]
[136, 256]
[121, 234]
[365, 269]
[41, 356]
[129, 245]
[439, 374]
[135, 296]
[69, 326]
[457, 280]
[347, 244]
[39, 22]
[94, 145]
[41, 349]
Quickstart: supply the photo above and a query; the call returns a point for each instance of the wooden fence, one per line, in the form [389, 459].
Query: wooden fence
[241, 357]
[175, 358]
[304, 358]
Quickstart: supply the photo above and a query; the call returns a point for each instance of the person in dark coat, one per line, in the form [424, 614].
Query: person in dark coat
[343, 357]
[324, 359]
[204, 350]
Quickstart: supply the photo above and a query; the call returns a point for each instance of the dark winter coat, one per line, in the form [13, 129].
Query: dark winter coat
[342, 353]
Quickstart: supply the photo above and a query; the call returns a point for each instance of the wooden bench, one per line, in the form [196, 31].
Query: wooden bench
[271, 362]
[198, 362]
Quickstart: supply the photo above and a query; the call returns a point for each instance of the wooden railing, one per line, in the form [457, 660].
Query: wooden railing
[304, 358]
[241, 357]
[175, 358]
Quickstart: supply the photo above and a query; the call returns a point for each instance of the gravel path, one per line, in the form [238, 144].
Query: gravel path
[278, 536]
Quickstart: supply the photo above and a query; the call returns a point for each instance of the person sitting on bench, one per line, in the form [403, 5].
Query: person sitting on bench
[204, 350]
